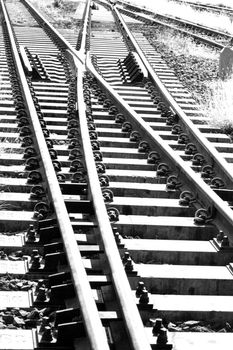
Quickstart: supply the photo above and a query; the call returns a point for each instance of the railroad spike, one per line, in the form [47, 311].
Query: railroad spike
[104, 180]
[76, 165]
[176, 129]
[217, 182]
[100, 167]
[198, 159]
[23, 121]
[158, 325]
[120, 118]
[41, 210]
[163, 169]
[144, 297]
[29, 152]
[27, 141]
[202, 217]
[135, 136]
[207, 171]
[173, 183]
[95, 145]
[183, 139]
[113, 214]
[34, 177]
[129, 266]
[153, 157]
[74, 143]
[143, 147]
[47, 336]
[190, 149]
[61, 178]
[79, 177]
[25, 131]
[126, 127]
[56, 165]
[37, 192]
[32, 164]
[31, 234]
[140, 287]
[108, 195]
[162, 337]
[186, 198]
[98, 156]
[75, 153]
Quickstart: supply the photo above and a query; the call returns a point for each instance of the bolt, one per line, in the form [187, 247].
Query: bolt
[35, 264]
[118, 238]
[144, 298]
[44, 323]
[47, 335]
[157, 326]
[140, 288]
[31, 234]
[125, 258]
[40, 284]
[34, 252]
[41, 296]
[162, 337]
[225, 242]
[129, 265]
[220, 236]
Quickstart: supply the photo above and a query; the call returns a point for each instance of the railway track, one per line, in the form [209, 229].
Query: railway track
[208, 7]
[200, 33]
[116, 194]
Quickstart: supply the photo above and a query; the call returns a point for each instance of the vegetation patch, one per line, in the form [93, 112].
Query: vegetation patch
[61, 13]
[194, 64]
[219, 105]
[210, 19]
[197, 67]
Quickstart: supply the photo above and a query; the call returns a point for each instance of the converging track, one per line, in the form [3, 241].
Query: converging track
[116, 193]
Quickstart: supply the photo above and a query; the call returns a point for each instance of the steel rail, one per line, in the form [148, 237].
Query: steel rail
[205, 6]
[128, 308]
[95, 331]
[211, 153]
[183, 21]
[46, 25]
[206, 196]
[195, 25]
[133, 322]
[185, 32]
[82, 49]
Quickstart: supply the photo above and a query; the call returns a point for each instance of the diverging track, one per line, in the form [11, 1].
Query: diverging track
[116, 220]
